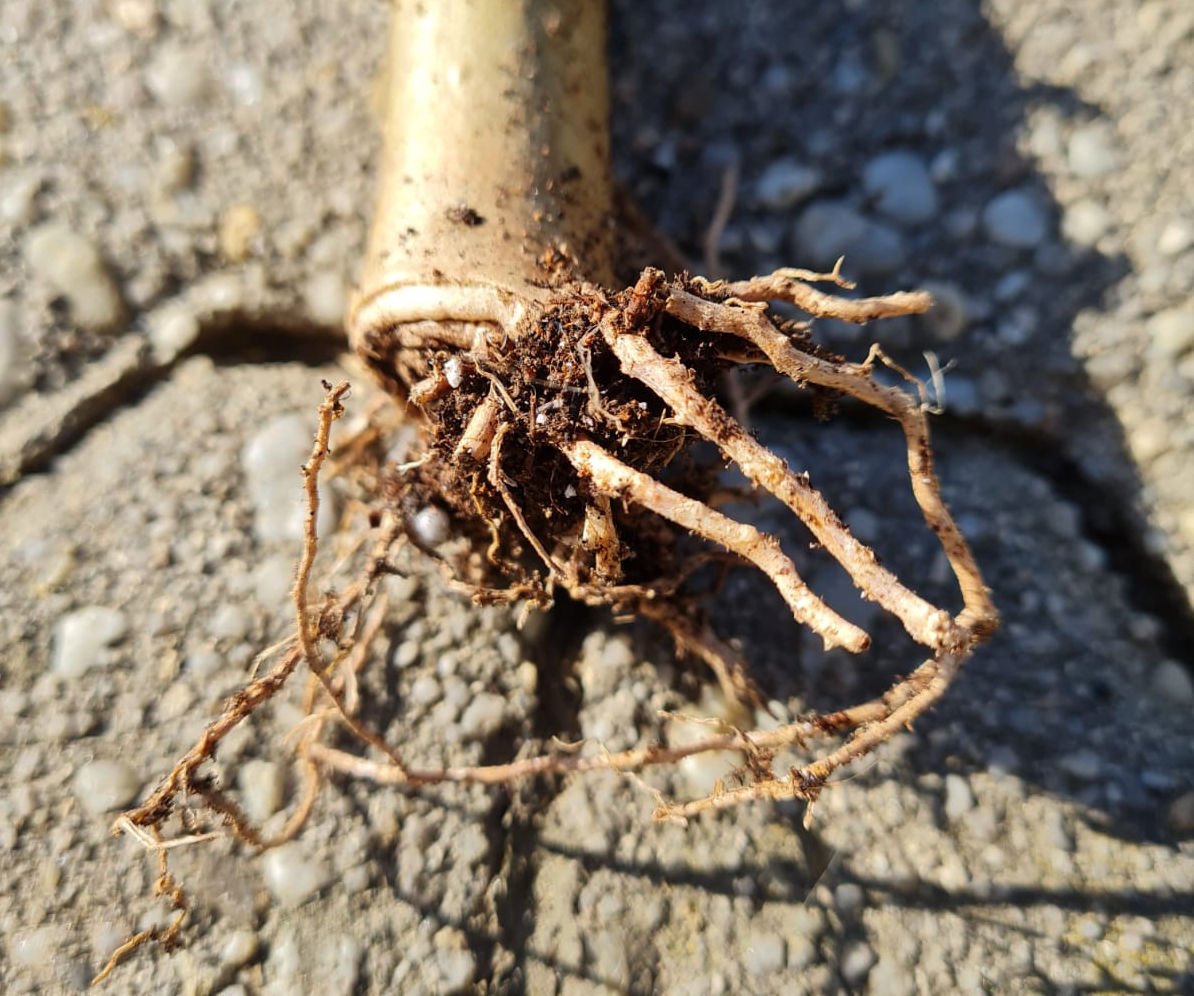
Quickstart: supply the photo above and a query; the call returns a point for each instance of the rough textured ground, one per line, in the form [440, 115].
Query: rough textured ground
[1032, 834]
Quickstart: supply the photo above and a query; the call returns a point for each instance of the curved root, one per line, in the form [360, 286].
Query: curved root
[547, 429]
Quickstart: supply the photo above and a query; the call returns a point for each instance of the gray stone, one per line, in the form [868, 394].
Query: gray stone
[1171, 682]
[1015, 219]
[81, 637]
[1083, 764]
[786, 183]
[901, 187]
[950, 314]
[1181, 815]
[828, 230]
[178, 76]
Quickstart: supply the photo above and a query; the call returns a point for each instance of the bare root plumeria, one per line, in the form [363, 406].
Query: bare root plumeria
[554, 413]
[603, 415]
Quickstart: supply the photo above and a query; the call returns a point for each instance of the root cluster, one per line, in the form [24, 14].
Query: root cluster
[557, 438]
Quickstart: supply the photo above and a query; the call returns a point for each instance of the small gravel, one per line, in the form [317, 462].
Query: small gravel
[765, 952]
[293, 876]
[1171, 332]
[785, 184]
[262, 785]
[80, 638]
[272, 462]
[857, 961]
[1085, 222]
[15, 370]
[1091, 151]
[483, 716]
[102, 786]
[452, 966]
[1172, 684]
[71, 264]
[828, 230]
[900, 186]
[1014, 219]
[959, 799]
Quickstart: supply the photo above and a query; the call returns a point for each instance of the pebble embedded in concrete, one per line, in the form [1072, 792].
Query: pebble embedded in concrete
[326, 298]
[178, 76]
[1172, 683]
[71, 264]
[1171, 332]
[14, 363]
[272, 462]
[786, 183]
[901, 187]
[1085, 222]
[262, 785]
[80, 638]
[1015, 219]
[1091, 151]
[102, 786]
[959, 799]
[293, 876]
[828, 230]
[483, 716]
[857, 961]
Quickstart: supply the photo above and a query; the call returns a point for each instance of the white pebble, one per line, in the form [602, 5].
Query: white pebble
[901, 187]
[453, 372]
[177, 76]
[959, 799]
[483, 716]
[764, 953]
[1091, 151]
[71, 264]
[81, 636]
[1085, 222]
[857, 961]
[292, 876]
[431, 525]
[786, 183]
[262, 785]
[102, 786]
[1014, 219]
[326, 298]
[1172, 683]
[239, 949]
[452, 966]
[1176, 237]
[15, 370]
[36, 948]
[272, 462]
[229, 622]
[171, 331]
[18, 199]
[1171, 332]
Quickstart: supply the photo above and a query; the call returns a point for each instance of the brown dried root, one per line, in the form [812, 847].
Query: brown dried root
[549, 452]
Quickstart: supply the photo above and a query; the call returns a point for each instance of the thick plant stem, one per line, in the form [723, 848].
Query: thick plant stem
[495, 181]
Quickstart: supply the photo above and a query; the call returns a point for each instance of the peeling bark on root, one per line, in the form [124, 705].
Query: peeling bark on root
[547, 429]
